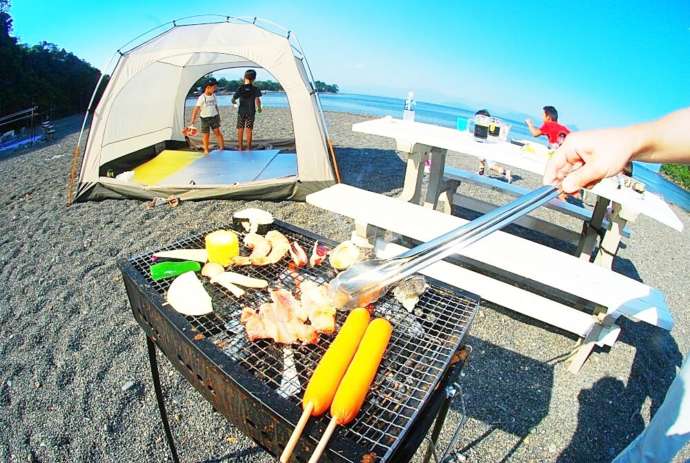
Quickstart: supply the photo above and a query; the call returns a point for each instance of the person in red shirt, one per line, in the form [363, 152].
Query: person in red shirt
[554, 131]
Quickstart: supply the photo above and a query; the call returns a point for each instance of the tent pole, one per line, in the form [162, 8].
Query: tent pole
[331, 151]
[72, 178]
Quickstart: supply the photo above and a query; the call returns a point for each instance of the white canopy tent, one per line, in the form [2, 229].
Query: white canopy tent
[141, 110]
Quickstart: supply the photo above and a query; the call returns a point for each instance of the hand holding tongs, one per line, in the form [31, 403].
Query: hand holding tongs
[365, 282]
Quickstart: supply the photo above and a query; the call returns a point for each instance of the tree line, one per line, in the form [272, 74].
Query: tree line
[42, 75]
[231, 86]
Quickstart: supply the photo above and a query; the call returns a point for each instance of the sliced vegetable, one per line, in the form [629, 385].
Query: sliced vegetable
[222, 246]
[328, 373]
[171, 269]
[235, 290]
[252, 220]
[198, 255]
[330, 370]
[188, 296]
[212, 269]
[355, 384]
[239, 279]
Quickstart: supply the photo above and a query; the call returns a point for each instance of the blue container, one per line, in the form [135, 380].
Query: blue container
[461, 123]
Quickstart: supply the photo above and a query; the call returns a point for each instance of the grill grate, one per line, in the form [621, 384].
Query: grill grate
[419, 352]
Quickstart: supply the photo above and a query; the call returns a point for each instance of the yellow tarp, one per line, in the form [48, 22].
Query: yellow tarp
[165, 164]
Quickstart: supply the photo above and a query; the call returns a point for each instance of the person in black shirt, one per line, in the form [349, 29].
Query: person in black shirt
[250, 102]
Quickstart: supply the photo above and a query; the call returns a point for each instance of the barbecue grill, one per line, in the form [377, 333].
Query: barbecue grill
[258, 385]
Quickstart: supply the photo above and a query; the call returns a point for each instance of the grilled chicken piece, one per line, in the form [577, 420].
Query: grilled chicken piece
[318, 306]
[318, 254]
[299, 257]
[278, 321]
[286, 300]
[259, 245]
[279, 247]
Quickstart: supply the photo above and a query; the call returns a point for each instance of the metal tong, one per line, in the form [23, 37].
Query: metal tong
[365, 282]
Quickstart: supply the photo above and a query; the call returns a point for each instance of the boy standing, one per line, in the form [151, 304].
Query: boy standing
[250, 103]
[554, 131]
[207, 108]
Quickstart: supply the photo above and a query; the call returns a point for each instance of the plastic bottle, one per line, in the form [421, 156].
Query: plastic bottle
[171, 269]
[408, 110]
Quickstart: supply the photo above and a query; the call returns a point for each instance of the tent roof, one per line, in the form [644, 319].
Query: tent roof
[157, 74]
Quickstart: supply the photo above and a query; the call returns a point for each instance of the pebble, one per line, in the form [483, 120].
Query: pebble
[127, 386]
[542, 395]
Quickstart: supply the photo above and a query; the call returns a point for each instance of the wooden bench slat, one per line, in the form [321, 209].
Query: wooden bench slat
[515, 190]
[503, 294]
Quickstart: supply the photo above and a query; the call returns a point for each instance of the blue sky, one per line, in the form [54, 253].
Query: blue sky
[599, 63]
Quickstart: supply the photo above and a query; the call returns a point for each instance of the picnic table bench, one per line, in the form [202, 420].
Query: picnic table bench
[455, 176]
[537, 281]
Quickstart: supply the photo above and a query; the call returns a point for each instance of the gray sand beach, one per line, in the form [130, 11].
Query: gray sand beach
[75, 384]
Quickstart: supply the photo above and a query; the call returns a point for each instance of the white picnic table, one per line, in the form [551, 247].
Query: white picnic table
[416, 141]
[536, 281]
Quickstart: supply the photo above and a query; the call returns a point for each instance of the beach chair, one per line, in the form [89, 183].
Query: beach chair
[537, 281]
[48, 130]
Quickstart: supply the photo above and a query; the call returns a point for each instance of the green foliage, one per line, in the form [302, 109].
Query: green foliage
[326, 88]
[5, 21]
[680, 174]
[43, 75]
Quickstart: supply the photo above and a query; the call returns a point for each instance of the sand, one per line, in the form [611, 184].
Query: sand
[74, 379]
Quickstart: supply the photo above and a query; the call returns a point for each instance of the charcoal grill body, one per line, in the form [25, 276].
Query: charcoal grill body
[253, 406]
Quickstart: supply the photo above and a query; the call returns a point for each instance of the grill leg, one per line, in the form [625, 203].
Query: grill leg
[438, 425]
[452, 390]
[159, 398]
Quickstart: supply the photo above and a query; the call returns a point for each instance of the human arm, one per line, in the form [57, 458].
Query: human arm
[532, 129]
[257, 100]
[195, 113]
[587, 157]
[197, 108]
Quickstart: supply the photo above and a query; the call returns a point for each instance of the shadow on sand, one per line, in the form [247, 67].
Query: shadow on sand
[609, 415]
[371, 169]
[511, 392]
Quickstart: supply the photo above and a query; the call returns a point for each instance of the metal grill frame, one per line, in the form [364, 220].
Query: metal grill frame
[253, 405]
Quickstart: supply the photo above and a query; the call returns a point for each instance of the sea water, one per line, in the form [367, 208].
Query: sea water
[446, 116]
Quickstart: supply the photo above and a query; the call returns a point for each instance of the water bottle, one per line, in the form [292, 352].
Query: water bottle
[408, 111]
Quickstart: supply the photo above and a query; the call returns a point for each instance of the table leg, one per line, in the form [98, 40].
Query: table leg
[611, 239]
[412, 188]
[583, 351]
[159, 398]
[590, 231]
[438, 162]
[447, 197]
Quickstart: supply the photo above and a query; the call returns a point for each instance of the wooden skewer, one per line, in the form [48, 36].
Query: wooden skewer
[299, 429]
[324, 441]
